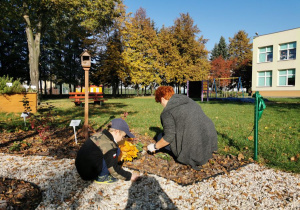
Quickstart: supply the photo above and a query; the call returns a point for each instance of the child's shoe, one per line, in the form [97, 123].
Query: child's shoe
[106, 179]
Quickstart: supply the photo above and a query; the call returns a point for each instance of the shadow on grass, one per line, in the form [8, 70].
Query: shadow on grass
[283, 106]
[157, 131]
[221, 102]
[107, 109]
[280, 104]
[231, 142]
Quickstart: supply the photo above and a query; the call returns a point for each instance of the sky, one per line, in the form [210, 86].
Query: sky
[216, 18]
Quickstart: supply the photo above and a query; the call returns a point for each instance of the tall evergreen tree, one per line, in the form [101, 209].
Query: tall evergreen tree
[220, 49]
[223, 49]
[215, 52]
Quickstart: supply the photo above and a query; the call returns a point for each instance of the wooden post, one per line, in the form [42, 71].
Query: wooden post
[86, 64]
[86, 103]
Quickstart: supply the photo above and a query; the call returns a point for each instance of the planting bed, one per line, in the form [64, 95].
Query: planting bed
[165, 165]
[61, 144]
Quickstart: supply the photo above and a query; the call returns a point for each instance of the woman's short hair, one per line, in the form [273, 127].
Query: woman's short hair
[163, 91]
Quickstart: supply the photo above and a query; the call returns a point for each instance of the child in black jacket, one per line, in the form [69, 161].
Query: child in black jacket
[97, 159]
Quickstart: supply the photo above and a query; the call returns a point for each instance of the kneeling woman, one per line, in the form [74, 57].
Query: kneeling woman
[188, 132]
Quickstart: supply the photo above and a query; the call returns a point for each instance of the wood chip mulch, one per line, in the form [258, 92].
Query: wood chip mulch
[182, 174]
[20, 194]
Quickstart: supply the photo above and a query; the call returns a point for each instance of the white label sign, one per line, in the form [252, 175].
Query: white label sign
[9, 84]
[75, 122]
[33, 87]
[24, 115]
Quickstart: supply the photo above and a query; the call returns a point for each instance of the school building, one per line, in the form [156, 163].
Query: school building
[276, 64]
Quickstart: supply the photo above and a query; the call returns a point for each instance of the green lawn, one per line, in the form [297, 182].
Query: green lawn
[279, 127]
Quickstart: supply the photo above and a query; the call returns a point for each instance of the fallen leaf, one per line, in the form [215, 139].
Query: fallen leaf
[241, 157]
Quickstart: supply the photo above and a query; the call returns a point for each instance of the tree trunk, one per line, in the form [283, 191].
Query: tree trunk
[45, 87]
[114, 87]
[121, 87]
[60, 89]
[51, 87]
[151, 90]
[34, 51]
[41, 85]
[137, 90]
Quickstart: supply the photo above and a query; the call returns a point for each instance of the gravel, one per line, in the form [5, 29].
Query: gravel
[250, 187]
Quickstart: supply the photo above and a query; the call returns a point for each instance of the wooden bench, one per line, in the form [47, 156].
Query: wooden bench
[79, 97]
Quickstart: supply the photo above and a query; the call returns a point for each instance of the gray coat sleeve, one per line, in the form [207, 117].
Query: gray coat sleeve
[168, 123]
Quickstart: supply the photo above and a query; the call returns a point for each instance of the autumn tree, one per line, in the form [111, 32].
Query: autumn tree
[221, 68]
[240, 49]
[170, 59]
[193, 64]
[141, 50]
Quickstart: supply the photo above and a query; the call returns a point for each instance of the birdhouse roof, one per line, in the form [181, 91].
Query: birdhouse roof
[85, 53]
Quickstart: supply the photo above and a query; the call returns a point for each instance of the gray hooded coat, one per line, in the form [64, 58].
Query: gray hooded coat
[191, 134]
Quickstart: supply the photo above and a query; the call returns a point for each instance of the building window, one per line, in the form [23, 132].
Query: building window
[287, 77]
[265, 78]
[288, 51]
[266, 54]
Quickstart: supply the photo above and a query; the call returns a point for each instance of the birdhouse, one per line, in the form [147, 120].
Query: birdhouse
[85, 59]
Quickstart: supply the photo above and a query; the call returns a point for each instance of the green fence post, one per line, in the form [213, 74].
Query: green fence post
[256, 125]
[258, 110]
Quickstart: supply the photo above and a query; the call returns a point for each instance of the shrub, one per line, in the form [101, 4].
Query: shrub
[15, 88]
[42, 123]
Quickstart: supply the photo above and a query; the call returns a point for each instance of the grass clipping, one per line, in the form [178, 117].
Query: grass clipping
[128, 151]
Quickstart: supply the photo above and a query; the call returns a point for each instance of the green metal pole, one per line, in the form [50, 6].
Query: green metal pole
[256, 125]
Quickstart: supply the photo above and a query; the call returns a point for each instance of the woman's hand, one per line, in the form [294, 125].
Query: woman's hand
[151, 148]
